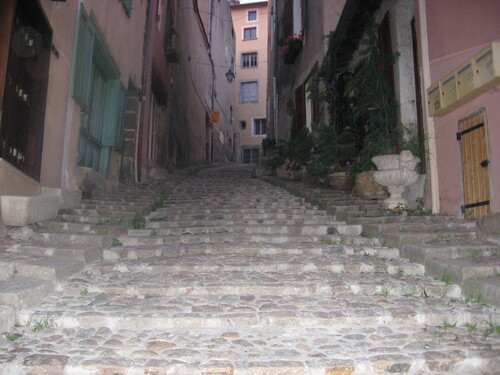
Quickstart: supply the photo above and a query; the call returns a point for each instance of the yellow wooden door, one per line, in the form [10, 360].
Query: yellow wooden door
[473, 137]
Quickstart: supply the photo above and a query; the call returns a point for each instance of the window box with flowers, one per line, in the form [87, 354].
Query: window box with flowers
[291, 48]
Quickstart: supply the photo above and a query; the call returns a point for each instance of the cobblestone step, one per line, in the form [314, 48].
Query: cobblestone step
[233, 304]
[227, 351]
[244, 311]
[427, 226]
[271, 262]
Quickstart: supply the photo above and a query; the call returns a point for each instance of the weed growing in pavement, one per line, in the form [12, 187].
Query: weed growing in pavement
[442, 292]
[138, 221]
[400, 273]
[12, 336]
[327, 241]
[447, 324]
[412, 292]
[44, 323]
[88, 274]
[157, 219]
[492, 328]
[103, 222]
[84, 291]
[475, 298]
[446, 277]
[154, 233]
[101, 231]
[116, 242]
[470, 326]
[385, 291]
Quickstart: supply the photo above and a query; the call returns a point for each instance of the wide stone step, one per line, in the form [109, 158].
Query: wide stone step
[420, 252]
[458, 270]
[103, 241]
[24, 292]
[91, 310]
[403, 238]
[402, 227]
[85, 253]
[234, 238]
[138, 207]
[482, 290]
[314, 284]
[241, 211]
[331, 245]
[103, 214]
[158, 223]
[96, 219]
[42, 267]
[274, 261]
[258, 351]
[271, 229]
[101, 229]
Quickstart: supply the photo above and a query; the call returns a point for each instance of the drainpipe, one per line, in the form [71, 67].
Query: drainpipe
[429, 121]
[212, 92]
[142, 95]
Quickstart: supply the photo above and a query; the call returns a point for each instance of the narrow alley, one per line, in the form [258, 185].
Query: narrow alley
[232, 275]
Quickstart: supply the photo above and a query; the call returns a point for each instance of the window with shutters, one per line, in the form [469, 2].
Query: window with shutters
[100, 95]
[249, 92]
[249, 60]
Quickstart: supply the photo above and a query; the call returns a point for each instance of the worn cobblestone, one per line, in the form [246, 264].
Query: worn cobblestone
[252, 308]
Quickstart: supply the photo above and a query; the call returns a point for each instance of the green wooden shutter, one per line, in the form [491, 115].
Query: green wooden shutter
[113, 113]
[83, 60]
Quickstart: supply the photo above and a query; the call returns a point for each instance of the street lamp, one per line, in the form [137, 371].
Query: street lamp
[230, 75]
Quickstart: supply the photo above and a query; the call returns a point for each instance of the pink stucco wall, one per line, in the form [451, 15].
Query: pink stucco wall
[457, 29]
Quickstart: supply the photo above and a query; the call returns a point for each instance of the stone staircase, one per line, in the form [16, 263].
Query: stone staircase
[233, 276]
[448, 248]
[48, 253]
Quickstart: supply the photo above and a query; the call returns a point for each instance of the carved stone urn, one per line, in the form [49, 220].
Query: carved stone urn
[396, 172]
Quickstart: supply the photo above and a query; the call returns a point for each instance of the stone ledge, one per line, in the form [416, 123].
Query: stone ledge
[68, 198]
[20, 211]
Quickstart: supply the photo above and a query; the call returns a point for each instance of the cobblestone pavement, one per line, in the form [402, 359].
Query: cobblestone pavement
[233, 276]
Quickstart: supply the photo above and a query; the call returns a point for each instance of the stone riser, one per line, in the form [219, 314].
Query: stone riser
[225, 238]
[249, 229]
[230, 222]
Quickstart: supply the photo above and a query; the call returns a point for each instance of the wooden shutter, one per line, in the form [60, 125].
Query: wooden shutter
[300, 109]
[83, 60]
[113, 113]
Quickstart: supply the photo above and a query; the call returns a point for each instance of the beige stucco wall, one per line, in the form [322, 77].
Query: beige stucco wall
[249, 111]
[62, 121]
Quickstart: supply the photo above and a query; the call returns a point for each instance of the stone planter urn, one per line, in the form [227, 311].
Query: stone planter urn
[396, 172]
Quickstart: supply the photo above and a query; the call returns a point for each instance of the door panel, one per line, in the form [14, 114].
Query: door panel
[23, 105]
[473, 137]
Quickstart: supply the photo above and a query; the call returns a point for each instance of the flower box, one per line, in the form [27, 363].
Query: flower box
[291, 48]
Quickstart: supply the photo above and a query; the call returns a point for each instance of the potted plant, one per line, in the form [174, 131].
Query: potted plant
[292, 45]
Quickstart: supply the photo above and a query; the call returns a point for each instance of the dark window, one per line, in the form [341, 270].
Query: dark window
[250, 155]
[243, 125]
[259, 126]
[249, 60]
[252, 15]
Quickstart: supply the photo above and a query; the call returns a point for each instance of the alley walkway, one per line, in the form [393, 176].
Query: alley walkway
[235, 276]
